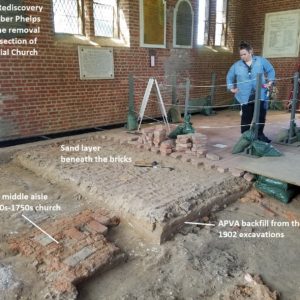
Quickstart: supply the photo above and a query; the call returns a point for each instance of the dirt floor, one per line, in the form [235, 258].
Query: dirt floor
[219, 262]
[198, 264]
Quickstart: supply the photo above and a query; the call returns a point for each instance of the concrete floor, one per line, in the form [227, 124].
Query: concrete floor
[223, 128]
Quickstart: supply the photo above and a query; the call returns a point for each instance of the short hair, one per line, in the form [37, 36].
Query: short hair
[245, 45]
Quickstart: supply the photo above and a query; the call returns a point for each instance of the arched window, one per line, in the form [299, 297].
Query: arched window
[183, 25]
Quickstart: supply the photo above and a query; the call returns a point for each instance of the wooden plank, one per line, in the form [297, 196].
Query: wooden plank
[285, 168]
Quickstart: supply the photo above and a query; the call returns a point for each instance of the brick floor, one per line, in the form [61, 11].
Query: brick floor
[82, 250]
[149, 197]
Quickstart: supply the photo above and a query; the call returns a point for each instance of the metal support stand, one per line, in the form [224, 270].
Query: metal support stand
[213, 89]
[131, 117]
[292, 131]
[174, 90]
[131, 92]
[187, 96]
[255, 121]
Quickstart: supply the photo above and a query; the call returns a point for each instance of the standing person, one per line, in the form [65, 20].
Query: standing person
[241, 81]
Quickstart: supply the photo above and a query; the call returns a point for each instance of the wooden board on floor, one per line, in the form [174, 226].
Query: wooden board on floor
[284, 168]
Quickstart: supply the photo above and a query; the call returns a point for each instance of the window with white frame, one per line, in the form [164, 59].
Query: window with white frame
[67, 16]
[153, 23]
[183, 24]
[105, 17]
[203, 22]
[221, 18]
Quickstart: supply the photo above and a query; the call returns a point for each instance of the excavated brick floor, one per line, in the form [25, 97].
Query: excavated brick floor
[155, 200]
[82, 250]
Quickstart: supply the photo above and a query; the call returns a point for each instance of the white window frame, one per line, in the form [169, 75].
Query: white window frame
[115, 21]
[175, 25]
[207, 21]
[80, 20]
[223, 23]
[142, 44]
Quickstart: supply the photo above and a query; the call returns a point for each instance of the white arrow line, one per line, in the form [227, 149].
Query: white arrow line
[195, 223]
[43, 231]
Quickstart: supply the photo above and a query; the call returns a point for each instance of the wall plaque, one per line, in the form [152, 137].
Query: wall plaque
[96, 63]
[153, 23]
[282, 34]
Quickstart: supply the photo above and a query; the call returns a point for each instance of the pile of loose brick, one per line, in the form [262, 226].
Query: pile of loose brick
[187, 147]
[156, 139]
[82, 250]
[192, 144]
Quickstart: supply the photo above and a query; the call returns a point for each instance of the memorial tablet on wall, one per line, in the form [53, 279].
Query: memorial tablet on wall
[96, 63]
[153, 23]
[282, 34]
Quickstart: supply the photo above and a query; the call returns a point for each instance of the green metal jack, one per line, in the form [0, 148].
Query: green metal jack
[132, 123]
[291, 136]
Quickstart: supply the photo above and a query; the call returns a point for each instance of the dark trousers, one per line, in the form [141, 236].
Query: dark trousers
[247, 116]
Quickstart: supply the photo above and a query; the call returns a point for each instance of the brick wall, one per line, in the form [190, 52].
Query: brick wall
[44, 94]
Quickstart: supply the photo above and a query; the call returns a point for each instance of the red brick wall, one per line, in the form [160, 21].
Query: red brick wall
[44, 94]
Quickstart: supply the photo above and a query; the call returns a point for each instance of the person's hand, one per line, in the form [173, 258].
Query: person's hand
[268, 85]
[234, 90]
